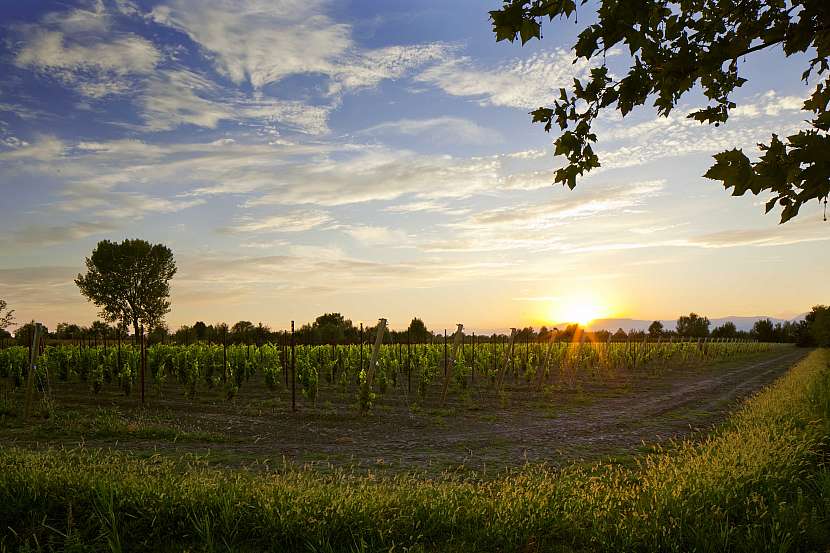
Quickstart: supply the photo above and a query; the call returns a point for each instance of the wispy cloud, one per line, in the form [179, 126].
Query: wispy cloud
[442, 130]
[81, 49]
[293, 221]
[523, 83]
[49, 235]
[243, 39]
[372, 235]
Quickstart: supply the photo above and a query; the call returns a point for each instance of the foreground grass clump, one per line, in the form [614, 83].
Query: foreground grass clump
[761, 482]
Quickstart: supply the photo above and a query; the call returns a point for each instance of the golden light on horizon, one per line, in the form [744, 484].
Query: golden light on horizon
[580, 308]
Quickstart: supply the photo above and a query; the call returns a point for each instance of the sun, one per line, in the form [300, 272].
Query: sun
[580, 308]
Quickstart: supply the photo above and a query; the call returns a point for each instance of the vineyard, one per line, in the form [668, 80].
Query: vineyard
[412, 372]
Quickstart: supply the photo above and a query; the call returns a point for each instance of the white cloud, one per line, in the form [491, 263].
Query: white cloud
[172, 98]
[45, 148]
[574, 206]
[292, 221]
[431, 206]
[372, 174]
[523, 83]
[539, 226]
[804, 230]
[123, 205]
[367, 68]
[263, 41]
[259, 41]
[371, 235]
[437, 130]
[769, 104]
[49, 235]
[80, 49]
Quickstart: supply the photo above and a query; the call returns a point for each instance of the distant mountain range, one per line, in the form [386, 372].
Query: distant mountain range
[741, 323]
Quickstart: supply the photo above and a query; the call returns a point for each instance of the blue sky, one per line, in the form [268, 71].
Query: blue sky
[373, 158]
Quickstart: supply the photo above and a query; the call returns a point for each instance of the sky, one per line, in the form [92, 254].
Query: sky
[375, 159]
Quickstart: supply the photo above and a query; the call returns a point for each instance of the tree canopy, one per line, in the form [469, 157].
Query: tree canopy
[726, 330]
[675, 45]
[818, 324]
[763, 330]
[655, 328]
[418, 331]
[693, 325]
[129, 281]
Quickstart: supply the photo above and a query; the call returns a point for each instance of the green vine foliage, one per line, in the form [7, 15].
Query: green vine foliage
[675, 45]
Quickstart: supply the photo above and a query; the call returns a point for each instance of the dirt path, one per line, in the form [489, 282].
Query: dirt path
[481, 431]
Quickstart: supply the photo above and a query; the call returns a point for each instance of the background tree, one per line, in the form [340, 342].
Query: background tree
[25, 333]
[159, 334]
[129, 281]
[693, 326]
[418, 331]
[218, 332]
[726, 330]
[673, 47]
[763, 331]
[6, 315]
[261, 332]
[200, 330]
[655, 329]
[333, 328]
[526, 334]
[67, 331]
[100, 330]
[243, 332]
[818, 325]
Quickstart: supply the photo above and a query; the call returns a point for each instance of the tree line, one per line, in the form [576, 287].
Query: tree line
[334, 328]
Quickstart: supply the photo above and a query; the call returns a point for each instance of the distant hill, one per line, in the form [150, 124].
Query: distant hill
[742, 323]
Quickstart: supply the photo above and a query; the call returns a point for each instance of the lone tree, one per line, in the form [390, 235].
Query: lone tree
[129, 281]
[673, 46]
[6, 315]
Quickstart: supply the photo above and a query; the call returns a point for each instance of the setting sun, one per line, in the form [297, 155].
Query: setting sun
[581, 309]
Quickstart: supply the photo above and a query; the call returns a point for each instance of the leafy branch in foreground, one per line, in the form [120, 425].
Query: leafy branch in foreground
[673, 46]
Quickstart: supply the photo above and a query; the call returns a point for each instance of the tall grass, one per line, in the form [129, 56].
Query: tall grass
[759, 483]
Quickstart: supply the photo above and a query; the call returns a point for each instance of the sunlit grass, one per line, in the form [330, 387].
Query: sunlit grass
[759, 483]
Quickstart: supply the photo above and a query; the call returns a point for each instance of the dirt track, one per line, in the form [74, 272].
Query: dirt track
[480, 431]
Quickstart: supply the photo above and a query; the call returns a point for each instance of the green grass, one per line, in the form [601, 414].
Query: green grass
[112, 424]
[759, 483]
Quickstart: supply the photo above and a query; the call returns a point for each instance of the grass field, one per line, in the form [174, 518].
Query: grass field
[758, 482]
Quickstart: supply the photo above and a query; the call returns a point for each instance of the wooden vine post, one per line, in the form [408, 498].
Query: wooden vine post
[293, 371]
[456, 342]
[361, 348]
[408, 364]
[508, 357]
[30, 376]
[375, 351]
[473, 371]
[142, 362]
[544, 367]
